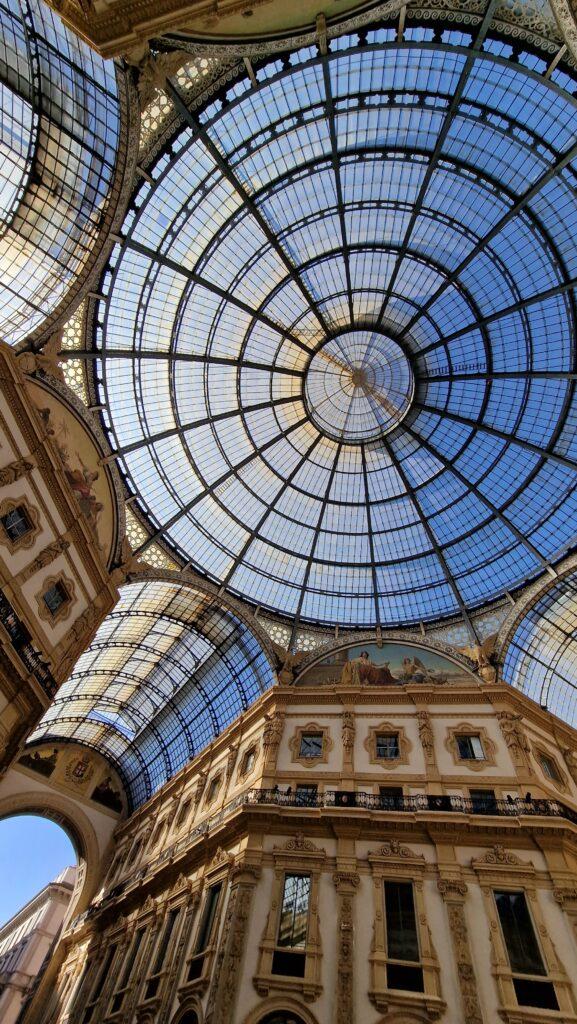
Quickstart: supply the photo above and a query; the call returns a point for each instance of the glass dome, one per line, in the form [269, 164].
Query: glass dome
[59, 132]
[337, 341]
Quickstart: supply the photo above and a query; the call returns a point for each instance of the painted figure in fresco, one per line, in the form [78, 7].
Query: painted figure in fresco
[362, 670]
[414, 671]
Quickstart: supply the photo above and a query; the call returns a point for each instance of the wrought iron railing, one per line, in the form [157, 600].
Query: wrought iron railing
[22, 644]
[419, 803]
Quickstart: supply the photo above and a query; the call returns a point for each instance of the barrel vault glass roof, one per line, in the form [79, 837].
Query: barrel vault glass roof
[541, 658]
[59, 131]
[167, 671]
[336, 348]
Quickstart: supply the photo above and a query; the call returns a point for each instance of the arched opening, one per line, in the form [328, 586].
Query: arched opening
[39, 862]
[282, 1017]
[34, 851]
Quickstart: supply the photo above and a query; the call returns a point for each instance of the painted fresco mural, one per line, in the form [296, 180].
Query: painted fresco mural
[391, 664]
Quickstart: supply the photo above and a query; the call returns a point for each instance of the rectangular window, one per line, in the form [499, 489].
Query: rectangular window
[99, 984]
[523, 952]
[518, 932]
[204, 932]
[387, 744]
[55, 597]
[183, 812]
[154, 981]
[306, 794]
[292, 930]
[209, 914]
[402, 938]
[470, 748]
[549, 767]
[391, 796]
[483, 801]
[16, 523]
[126, 973]
[213, 789]
[311, 744]
[248, 762]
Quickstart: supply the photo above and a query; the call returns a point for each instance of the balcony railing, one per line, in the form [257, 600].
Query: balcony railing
[420, 803]
[22, 644]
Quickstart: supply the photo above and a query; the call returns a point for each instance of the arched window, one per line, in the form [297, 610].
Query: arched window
[282, 1017]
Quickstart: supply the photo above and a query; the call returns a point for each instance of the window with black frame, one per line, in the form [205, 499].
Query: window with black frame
[155, 977]
[126, 973]
[402, 939]
[470, 747]
[16, 523]
[205, 931]
[527, 966]
[289, 957]
[387, 745]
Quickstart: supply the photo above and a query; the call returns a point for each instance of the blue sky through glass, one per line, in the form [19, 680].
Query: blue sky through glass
[33, 851]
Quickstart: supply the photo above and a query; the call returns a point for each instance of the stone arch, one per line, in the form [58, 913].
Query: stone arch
[189, 1013]
[280, 1004]
[77, 826]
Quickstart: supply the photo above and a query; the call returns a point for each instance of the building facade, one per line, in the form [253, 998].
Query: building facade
[27, 940]
[387, 838]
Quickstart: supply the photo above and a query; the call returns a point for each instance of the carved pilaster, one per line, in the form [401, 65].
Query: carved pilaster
[348, 739]
[226, 973]
[454, 892]
[346, 883]
[517, 742]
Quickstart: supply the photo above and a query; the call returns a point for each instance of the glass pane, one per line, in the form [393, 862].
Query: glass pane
[402, 938]
[518, 932]
[388, 745]
[311, 744]
[294, 912]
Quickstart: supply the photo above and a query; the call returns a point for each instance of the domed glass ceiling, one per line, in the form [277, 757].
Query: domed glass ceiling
[541, 658]
[337, 340]
[59, 135]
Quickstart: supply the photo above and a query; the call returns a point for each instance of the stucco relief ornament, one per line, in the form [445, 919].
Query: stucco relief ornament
[273, 730]
[298, 842]
[288, 663]
[348, 730]
[499, 855]
[79, 770]
[483, 658]
[570, 757]
[199, 788]
[425, 731]
[14, 470]
[512, 732]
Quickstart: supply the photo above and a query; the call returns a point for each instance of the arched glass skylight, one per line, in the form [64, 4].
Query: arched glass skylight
[541, 658]
[337, 345]
[167, 671]
[59, 131]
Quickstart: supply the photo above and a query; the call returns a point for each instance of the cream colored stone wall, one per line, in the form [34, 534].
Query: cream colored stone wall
[252, 832]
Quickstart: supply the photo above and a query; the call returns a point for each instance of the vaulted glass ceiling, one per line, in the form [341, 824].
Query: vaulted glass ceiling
[337, 343]
[541, 658]
[59, 133]
[167, 671]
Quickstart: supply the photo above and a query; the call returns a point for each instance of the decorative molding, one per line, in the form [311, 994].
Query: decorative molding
[27, 539]
[395, 850]
[14, 471]
[65, 608]
[499, 855]
[44, 559]
[465, 972]
[295, 744]
[452, 888]
[473, 764]
[299, 843]
[405, 745]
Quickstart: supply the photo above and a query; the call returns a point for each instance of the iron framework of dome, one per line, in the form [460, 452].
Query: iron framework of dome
[167, 671]
[59, 135]
[337, 342]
